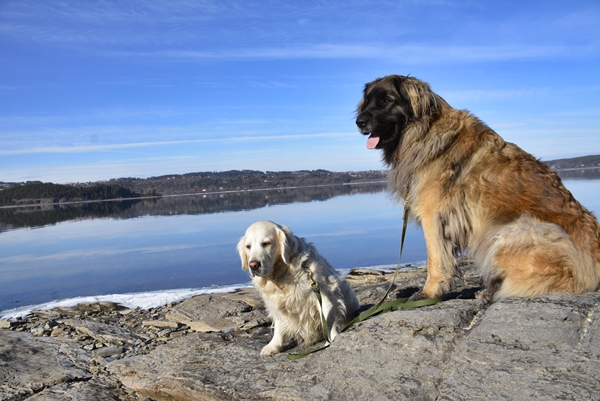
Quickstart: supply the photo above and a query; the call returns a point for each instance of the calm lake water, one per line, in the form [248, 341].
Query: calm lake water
[186, 243]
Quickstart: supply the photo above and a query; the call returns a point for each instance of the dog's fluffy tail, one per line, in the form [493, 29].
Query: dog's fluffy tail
[530, 257]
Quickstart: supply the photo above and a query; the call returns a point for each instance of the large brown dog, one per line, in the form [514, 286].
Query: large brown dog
[471, 190]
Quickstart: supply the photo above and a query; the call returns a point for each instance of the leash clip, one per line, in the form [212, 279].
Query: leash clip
[313, 284]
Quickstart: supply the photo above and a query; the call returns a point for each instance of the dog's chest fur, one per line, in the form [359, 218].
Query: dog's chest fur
[290, 294]
[292, 305]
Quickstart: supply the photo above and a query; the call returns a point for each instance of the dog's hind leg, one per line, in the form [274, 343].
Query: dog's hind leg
[330, 313]
[530, 257]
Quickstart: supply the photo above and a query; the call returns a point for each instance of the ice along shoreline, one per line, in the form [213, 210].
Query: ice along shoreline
[154, 299]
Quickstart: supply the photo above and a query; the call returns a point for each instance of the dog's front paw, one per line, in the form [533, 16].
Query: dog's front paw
[486, 297]
[419, 296]
[270, 349]
[333, 333]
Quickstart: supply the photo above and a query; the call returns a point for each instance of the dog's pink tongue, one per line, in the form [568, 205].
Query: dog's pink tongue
[372, 142]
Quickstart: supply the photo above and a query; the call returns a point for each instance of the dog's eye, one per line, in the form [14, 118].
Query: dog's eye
[265, 244]
[387, 100]
[248, 247]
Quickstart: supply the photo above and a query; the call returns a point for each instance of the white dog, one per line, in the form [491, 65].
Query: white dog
[278, 263]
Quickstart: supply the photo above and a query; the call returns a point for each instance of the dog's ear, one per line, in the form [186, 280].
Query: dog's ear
[359, 108]
[287, 244]
[417, 96]
[361, 104]
[241, 248]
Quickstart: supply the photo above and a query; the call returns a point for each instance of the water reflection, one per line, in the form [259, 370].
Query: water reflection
[580, 174]
[39, 216]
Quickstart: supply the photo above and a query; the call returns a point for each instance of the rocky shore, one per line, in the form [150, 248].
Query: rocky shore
[207, 348]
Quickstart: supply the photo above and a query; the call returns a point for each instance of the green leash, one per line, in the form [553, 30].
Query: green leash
[379, 308]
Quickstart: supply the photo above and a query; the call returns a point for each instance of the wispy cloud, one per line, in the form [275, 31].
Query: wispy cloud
[102, 23]
[496, 94]
[211, 30]
[516, 93]
[410, 54]
[347, 153]
[119, 146]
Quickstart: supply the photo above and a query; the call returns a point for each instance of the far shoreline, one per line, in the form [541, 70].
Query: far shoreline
[250, 190]
[235, 191]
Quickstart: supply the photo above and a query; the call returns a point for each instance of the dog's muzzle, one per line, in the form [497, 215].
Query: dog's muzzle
[254, 265]
[362, 122]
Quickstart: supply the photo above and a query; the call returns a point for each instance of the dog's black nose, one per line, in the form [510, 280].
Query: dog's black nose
[254, 264]
[362, 121]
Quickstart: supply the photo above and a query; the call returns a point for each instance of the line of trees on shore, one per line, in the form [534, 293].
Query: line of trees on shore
[39, 193]
[242, 180]
[203, 182]
[583, 162]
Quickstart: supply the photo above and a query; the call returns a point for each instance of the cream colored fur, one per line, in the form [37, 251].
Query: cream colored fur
[275, 257]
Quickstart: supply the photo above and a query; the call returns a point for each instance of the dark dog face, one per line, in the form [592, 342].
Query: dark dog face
[388, 106]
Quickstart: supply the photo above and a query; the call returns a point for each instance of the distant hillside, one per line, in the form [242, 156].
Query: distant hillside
[204, 182]
[37, 192]
[592, 161]
[175, 184]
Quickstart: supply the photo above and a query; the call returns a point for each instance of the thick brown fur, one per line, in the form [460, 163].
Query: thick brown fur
[473, 192]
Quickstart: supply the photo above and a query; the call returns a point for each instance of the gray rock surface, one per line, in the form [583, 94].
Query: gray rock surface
[544, 348]
[242, 310]
[28, 365]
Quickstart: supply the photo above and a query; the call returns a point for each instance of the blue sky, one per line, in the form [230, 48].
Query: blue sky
[93, 90]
